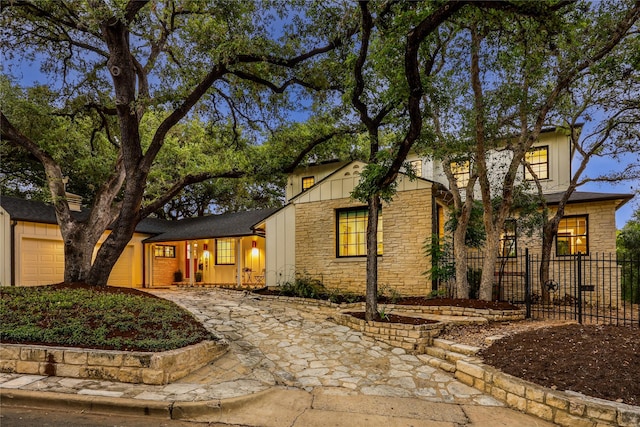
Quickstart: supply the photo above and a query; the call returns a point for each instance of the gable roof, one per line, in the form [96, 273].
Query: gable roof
[211, 226]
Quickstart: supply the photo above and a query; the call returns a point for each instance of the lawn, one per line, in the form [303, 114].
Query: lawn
[107, 318]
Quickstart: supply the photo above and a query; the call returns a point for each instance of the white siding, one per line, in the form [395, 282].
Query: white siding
[280, 246]
[5, 248]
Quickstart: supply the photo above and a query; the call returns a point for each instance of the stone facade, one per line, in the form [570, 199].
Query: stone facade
[406, 223]
[124, 366]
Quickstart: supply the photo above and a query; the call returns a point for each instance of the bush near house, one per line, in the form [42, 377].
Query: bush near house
[107, 318]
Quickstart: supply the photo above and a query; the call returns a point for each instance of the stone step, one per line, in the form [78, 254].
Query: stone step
[445, 355]
[455, 347]
[436, 362]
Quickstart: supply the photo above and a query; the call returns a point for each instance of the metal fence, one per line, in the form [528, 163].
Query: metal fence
[595, 288]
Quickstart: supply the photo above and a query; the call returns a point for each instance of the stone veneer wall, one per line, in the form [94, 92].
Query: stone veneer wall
[123, 366]
[413, 338]
[563, 408]
[406, 223]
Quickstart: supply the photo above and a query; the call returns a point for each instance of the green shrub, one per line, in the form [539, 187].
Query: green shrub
[84, 317]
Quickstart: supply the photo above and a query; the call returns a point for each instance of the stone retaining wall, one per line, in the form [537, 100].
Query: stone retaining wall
[563, 408]
[123, 366]
[445, 310]
[413, 338]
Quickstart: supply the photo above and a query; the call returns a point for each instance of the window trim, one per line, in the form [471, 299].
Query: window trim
[586, 235]
[165, 248]
[366, 211]
[313, 178]
[546, 163]
[233, 251]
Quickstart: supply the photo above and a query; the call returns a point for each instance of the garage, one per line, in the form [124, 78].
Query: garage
[43, 264]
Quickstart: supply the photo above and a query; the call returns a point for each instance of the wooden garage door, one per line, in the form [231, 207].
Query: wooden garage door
[43, 264]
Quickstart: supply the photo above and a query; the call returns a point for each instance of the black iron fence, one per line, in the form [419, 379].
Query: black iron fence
[595, 288]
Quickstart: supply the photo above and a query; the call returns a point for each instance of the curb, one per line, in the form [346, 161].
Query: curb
[175, 410]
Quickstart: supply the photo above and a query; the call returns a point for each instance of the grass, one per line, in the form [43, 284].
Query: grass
[103, 318]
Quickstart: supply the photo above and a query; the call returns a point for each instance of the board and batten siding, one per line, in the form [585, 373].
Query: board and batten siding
[280, 246]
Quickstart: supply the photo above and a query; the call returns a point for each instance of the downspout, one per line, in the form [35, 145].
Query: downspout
[12, 251]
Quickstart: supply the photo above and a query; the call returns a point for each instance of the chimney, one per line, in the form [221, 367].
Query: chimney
[75, 201]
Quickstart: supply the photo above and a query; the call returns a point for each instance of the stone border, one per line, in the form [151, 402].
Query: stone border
[123, 366]
[564, 408]
[413, 338]
[440, 310]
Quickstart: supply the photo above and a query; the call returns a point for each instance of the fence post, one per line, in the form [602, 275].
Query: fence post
[527, 284]
[579, 299]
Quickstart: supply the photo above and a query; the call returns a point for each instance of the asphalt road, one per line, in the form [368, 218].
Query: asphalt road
[11, 416]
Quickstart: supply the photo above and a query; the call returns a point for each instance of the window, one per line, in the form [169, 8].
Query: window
[508, 239]
[164, 251]
[352, 232]
[573, 235]
[461, 172]
[307, 182]
[538, 159]
[416, 165]
[225, 251]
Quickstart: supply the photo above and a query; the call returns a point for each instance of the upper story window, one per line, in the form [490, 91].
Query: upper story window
[164, 251]
[307, 182]
[538, 159]
[225, 251]
[416, 165]
[461, 172]
[352, 232]
[509, 239]
[573, 235]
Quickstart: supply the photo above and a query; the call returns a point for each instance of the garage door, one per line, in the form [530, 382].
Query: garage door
[43, 264]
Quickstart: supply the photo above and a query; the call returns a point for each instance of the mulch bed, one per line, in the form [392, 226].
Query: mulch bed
[597, 360]
[394, 318]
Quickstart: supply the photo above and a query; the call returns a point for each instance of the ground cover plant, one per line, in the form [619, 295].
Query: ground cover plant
[110, 318]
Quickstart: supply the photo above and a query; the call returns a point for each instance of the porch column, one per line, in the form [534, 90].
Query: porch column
[192, 274]
[239, 261]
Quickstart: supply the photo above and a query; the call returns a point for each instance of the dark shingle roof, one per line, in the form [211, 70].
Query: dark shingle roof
[587, 196]
[33, 210]
[224, 225]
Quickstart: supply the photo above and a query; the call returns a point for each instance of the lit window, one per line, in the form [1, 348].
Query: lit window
[416, 165]
[225, 251]
[538, 159]
[461, 172]
[572, 236]
[164, 251]
[508, 239]
[307, 182]
[352, 232]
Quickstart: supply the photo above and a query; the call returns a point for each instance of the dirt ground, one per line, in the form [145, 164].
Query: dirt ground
[596, 360]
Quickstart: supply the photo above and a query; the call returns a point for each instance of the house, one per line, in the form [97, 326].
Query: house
[224, 249]
[319, 232]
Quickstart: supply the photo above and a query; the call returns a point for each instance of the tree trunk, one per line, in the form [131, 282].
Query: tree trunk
[489, 265]
[460, 253]
[371, 310]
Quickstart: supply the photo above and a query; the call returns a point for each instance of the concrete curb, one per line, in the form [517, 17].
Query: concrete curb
[88, 404]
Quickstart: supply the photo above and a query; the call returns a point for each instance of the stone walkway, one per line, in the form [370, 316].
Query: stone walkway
[272, 343]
